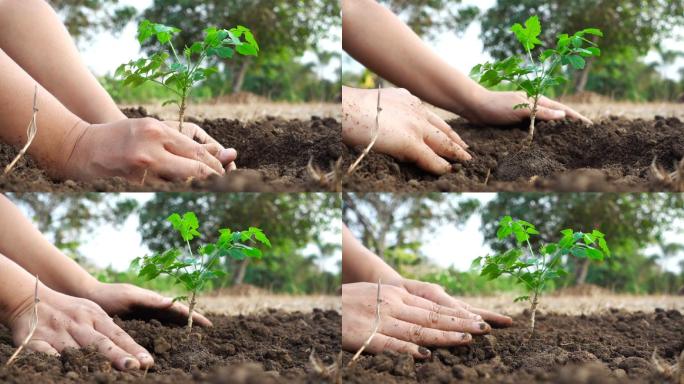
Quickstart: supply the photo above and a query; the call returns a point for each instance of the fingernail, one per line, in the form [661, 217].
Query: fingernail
[465, 336]
[129, 363]
[228, 154]
[144, 357]
[483, 326]
[424, 351]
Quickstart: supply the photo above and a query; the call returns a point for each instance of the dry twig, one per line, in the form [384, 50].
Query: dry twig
[675, 372]
[676, 178]
[374, 137]
[30, 133]
[376, 325]
[331, 180]
[33, 323]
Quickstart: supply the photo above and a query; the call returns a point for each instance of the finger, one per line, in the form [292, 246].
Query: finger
[63, 340]
[417, 301]
[213, 149]
[193, 131]
[227, 156]
[231, 167]
[443, 146]
[490, 317]
[41, 346]
[544, 113]
[446, 128]
[381, 343]
[432, 318]
[86, 335]
[427, 159]
[178, 168]
[571, 113]
[123, 340]
[421, 335]
[493, 318]
[182, 146]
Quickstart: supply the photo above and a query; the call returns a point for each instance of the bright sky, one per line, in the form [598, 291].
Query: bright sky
[466, 51]
[107, 51]
[450, 246]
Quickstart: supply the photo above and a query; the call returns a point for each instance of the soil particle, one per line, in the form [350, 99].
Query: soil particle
[614, 154]
[566, 349]
[226, 353]
[273, 155]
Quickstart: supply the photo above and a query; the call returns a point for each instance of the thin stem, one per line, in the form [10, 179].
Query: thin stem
[376, 325]
[33, 324]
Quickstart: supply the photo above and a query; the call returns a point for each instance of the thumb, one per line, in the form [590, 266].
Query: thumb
[153, 299]
[544, 113]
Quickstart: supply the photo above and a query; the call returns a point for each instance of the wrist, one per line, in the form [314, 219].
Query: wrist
[466, 96]
[23, 302]
[69, 159]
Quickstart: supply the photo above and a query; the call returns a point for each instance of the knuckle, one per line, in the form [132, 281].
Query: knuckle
[390, 344]
[150, 128]
[416, 333]
[433, 317]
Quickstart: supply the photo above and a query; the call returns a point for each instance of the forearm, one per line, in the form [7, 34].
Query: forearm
[17, 288]
[359, 264]
[26, 246]
[58, 128]
[374, 36]
[34, 37]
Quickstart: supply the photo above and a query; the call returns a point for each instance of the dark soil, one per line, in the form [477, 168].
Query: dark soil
[270, 348]
[273, 155]
[612, 155]
[616, 347]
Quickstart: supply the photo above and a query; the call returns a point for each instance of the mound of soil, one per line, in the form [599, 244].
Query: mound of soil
[273, 155]
[270, 348]
[609, 348]
[612, 155]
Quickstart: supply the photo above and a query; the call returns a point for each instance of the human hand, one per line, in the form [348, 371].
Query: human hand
[141, 148]
[408, 130]
[129, 300]
[435, 293]
[193, 131]
[408, 323]
[66, 321]
[491, 107]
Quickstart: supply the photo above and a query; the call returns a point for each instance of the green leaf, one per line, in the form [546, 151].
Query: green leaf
[179, 298]
[476, 262]
[567, 232]
[579, 252]
[576, 61]
[549, 249]
[521, 106]
[186, 226]
[594, 254]
[260, 236]
[528, 35]
[521, 298]
[169, 102]
[604, 246]
[546, 54]
[476, 70]
[593, 31]
[196, 48]
[247, 50]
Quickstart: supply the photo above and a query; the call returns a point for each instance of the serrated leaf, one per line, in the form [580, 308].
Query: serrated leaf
[594, 254]
[521, 106]
[521, 298]
[576, 61]
[593, 31]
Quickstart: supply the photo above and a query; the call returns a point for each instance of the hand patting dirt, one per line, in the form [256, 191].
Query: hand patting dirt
[609, 348]
[270, 348]
[611, 155]
[273, 155]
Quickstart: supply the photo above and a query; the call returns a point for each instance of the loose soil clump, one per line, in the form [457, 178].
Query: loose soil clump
[614, 347]
[273, 156]
[269, 348]
[614, 154]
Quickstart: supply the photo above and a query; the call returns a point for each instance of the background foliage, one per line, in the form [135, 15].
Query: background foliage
[295, 223]
[397, 226]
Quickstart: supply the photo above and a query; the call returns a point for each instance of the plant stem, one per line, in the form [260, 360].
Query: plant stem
[181, 113]
[533, 311]
[193, 302]
[533, 117]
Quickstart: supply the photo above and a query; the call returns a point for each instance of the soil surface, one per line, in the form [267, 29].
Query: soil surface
[616, 347]
[614, 154]
[270, 348]
[273, 155]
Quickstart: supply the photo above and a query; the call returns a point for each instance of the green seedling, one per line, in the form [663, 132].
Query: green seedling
[193, 270]
[180, 71]
[535, 77]
[535, 269]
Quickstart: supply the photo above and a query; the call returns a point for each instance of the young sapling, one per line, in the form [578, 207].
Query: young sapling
[180, 72]
[535, 269]
[193, 270]
[535, 77]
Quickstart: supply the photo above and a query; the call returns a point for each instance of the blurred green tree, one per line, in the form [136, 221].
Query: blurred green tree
[84, 18]
[394, 226]
[295, 223]
[631, 222]
[430, 17]
[284, 29]
[634, 24]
